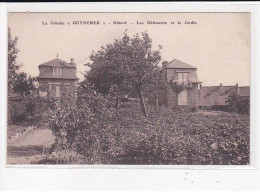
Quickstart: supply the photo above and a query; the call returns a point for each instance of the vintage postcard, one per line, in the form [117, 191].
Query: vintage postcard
[129, 88]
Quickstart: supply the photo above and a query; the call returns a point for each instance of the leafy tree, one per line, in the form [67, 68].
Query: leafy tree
[86, 125]
[160, 83]
[238, 104]
[23, 84]
[129, 64]
[12, 55]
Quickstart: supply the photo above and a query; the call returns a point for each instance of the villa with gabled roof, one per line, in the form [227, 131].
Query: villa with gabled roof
[194, 95]
[184, 74]
[57, 78]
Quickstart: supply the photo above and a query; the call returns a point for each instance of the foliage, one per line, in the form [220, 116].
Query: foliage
[129, 63]
[12, 55]
[23, 84]
[160, 83]
[220, 108]
[30, 109]
[166, 137]
[238, 104]
[85, 125]
[58, 157]
[176, 137]
[177, 87]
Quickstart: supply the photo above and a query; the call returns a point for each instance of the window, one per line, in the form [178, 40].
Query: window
[183, 77]
[57, 71]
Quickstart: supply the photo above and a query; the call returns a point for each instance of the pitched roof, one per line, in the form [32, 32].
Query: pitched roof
[57, 63]
[244, 91]
[175, 63]
[215, 95]
[193, 78]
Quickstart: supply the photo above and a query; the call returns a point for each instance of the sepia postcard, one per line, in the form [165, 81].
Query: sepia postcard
[119, 88]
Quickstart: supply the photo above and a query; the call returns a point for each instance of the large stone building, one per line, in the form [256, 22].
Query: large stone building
[180, 73]
[57, 78]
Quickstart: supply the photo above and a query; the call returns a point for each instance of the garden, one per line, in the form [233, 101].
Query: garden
[99, 127]
[102, 134]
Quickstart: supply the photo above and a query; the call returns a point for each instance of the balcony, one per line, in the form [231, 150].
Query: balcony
[186, 84]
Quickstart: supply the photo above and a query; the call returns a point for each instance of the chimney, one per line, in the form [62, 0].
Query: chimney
[72, 60]
[164, 64]
[220, 87]
[237, 88]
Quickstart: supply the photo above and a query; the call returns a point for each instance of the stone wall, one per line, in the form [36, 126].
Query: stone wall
[67, 87]
[193, 96]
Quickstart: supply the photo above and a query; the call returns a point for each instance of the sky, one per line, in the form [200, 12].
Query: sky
[218, 45]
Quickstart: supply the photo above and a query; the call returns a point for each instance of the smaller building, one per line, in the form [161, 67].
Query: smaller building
[57, 78]
[180, 73]
[210, 96]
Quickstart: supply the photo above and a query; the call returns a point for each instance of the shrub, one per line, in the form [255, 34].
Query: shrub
[193, 109]
[99, 134]
[238, 104]
[170, 137]
[58, 157]
[85, 125]
[220, 108]
[30, 109]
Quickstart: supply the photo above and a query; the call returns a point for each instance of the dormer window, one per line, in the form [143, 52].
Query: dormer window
[57, 71]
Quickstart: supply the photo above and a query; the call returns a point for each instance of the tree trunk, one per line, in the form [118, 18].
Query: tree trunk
[117, 101]
[142, 103]
[176, 102]
[156, 100]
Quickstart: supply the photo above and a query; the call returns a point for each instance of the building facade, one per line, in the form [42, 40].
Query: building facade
[194, 95]
[179, 74]
[57, 78]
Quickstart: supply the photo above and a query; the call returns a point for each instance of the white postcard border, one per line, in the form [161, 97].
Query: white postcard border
[131, 176]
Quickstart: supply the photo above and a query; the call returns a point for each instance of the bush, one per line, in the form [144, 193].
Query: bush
[224, 108]
[30, 109]
[58, 157]
[85, 125]
[170, 137]
[238, 104]
[127, 137]
[101, 134]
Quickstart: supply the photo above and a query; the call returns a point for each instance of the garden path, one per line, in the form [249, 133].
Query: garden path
[29, 146]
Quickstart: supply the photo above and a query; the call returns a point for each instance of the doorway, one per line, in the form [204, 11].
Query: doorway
[182, 98]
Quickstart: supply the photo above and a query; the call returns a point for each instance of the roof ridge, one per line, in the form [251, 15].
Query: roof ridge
[178, 64]
[57, 62]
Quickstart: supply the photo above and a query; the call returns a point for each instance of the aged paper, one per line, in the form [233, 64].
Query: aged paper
[129, 88]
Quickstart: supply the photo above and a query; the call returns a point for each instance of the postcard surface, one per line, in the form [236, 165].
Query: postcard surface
[128, 88]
